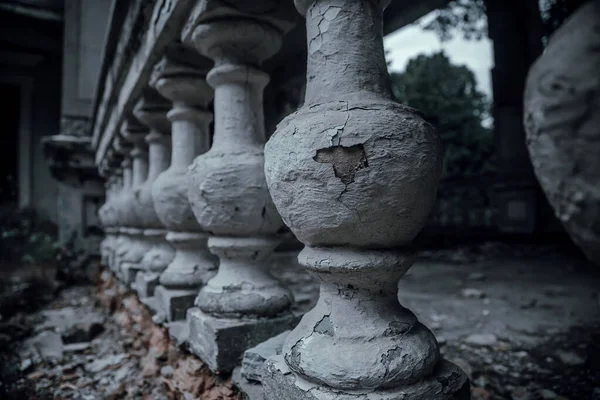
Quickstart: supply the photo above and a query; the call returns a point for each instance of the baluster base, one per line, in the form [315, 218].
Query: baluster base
[130, 255]
[221, 342]
[448, 382]
[146, 283]
[172, 304]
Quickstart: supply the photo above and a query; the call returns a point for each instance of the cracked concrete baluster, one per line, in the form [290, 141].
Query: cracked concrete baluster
[152, 110]
[110, 167]
[228, 192]
[104, 212]
[112, 231]
[121, 202]
[180, 77]
[131, 257]
[354, 175]
[112, 164]
[562, 115]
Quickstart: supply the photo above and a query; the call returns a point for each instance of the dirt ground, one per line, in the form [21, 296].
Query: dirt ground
[94, 342]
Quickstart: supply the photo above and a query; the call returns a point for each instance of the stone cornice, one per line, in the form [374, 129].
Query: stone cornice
[148, 28]
[70, 158]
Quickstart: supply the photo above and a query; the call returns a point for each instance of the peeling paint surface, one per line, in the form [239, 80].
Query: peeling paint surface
[562, 116]
[354, 176]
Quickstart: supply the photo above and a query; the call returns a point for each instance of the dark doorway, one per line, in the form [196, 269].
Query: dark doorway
[9, 145]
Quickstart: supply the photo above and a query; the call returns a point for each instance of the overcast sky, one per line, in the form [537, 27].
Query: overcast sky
[410, 41]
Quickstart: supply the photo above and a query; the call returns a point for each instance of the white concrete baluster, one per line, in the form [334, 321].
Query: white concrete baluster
[354, 176]
[152, 110]
[228, 192]
[180, 77]
[136, 249]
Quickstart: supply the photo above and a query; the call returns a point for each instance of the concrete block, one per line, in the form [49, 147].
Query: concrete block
[247, 390]
[129, 272]
[179, 332]
[151, 304]
[254, 358]
[146, 283]
[221, 342]
[173, 303]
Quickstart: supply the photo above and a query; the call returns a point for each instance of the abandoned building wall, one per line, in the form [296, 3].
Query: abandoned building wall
[45, 122]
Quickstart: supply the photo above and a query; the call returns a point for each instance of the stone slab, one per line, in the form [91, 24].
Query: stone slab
[146, 283]
[254, 358]
[174, 303]
[151, 304]
[128, 273]
[221, 342]
[447, 383]
[179, 332]
[247, 390]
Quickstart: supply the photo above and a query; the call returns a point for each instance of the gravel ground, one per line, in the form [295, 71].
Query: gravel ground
[565, 366]
[525, 327]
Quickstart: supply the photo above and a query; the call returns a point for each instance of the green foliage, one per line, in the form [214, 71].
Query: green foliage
[447, 94]
[467, 18]
[26, 239]
[464, 16]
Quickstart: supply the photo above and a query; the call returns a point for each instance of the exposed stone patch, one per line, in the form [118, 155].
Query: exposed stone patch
[324, 326]
[346, 161]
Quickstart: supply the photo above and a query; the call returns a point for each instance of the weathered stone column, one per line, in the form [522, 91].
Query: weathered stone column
[110, 220]
[124, 215]
[121, 202]
[152, 110]
[112, 229]
[104, 213]
[131, 257]
[243, 304]
[562, 119]
[354, 175]
[180, 77]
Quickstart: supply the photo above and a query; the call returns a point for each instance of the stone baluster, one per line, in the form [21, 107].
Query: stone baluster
[354, 175]
[131, 258]
[123, 212]
[107, 214]
[180, 77]
[228, 192]
[114, 164]
[152, 110]
[562, 115]
[111, 230]
[124, 173]
[104, 211]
